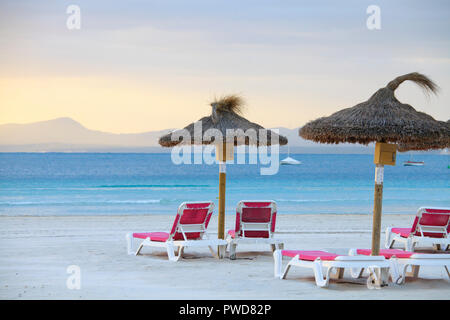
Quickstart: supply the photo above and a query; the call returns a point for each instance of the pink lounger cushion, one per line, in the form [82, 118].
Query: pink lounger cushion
[154, 236]
[404, 232]
[387, 253]
[309, 255]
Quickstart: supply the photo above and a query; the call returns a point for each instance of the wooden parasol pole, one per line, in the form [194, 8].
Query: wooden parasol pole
[385, 153]
[222, 186]
[377, 209]
[224, 152]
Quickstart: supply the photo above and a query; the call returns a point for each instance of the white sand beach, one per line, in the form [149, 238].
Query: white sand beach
[36, 251]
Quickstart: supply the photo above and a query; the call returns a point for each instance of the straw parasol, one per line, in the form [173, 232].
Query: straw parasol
[381, 118]
[442, 143]
[226, 115]
[231, 129]
[384, 120]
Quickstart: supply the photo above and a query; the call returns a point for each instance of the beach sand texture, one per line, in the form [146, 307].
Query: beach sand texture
[36, 252]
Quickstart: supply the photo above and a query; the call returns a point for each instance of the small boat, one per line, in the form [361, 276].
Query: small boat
[413, 163]
[289, 160]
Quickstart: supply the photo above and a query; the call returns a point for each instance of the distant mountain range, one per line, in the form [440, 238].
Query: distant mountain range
[68, 135]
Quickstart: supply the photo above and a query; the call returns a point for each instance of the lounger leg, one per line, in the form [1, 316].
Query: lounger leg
[395, 270]
[338, 274]
[213, 252]
[180, 252]
[129, 238]
[446, 269]
[139, 248]
[436, 246]
[403, 274]
[389, 242]
[356, 273]
[221, 251]
[409, 245]
[233, 250]
[277, 246]
[378, 277]
[374, 279]
[401, 278]
[277, 259]
[288, 266]
[384, 277]
[318, 275]
[171, 253]
[414, 273]
[228, 239]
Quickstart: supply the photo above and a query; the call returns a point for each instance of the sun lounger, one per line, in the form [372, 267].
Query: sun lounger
[431, 226]
[188, 230]
[400, 260]
[255, 223]
[335, 264]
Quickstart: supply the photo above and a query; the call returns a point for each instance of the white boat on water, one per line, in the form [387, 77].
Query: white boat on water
[289, 160]
[413, 163]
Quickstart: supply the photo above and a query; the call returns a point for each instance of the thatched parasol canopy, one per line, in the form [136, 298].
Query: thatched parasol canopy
[225, 117]
[443, 142]
[382, 118]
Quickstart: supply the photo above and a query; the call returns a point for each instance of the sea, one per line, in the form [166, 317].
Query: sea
[64, 184]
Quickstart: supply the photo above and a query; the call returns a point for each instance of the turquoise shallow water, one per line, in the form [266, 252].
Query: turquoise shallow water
[121, 184]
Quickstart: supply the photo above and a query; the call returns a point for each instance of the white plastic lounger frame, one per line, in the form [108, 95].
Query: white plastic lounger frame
[412, 240]
[398, 266]
[254, 226]
[378, 268]
[171, 244]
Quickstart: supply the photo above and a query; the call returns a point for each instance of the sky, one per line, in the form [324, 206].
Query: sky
[136, 66]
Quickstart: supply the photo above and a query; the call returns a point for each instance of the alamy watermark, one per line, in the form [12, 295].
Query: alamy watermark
[73, 282]
[373, 21]
[199, 148]
[73, 21]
